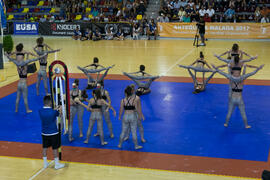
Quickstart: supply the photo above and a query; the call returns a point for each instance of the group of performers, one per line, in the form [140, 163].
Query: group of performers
[236, 75]
[130, 107]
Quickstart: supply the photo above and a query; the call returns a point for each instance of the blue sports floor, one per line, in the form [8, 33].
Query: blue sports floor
[176, 121]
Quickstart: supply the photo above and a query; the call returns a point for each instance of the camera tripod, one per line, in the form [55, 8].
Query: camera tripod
[196, 38]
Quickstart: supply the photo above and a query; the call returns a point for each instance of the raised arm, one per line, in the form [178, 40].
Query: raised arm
[222, 59]
[248, 60]
[221, 72]
[30, 53]
[227, 52]
[23, 63]
[243, 52]
[52, 51]
[48, 47]
[193, 63]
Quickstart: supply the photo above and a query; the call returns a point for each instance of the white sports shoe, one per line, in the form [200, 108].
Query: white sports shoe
[59, 166]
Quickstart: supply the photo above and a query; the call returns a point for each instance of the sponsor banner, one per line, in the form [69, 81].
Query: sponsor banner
[217, 30]
[25, 28]
[67, 29]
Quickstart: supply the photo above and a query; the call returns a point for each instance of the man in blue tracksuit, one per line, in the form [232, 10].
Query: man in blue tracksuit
[50, 134]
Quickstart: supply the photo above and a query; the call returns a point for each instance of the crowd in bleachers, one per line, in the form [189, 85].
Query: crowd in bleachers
[215, 10]
[76, 10]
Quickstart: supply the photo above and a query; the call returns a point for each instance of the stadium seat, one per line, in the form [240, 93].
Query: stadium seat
[31, 10]
[9, 10]
[78, 17]
[20, 9]
[90, 16]
[85, 3]
[10, 17]
[87, 10]
[36, 10]
[25, 10]
[46, 3]
[40, 3]
[52, 10]
[139, 17]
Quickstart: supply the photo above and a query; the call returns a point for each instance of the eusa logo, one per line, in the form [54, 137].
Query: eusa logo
[28, 28]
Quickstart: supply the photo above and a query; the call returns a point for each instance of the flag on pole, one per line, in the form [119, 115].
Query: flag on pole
[3, 14]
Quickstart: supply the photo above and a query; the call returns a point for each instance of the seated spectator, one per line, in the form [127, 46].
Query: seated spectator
[206, 18]
[183, 3]
[176, 5]
[188, 9]
[43, 18]
[95, 12]
[145, 26]
[119, 35]
[194, 16]
[96, 35]
[186, 18]
[229, 14]
[77, 34]
[163, 18]
[265, 19]
[191, 4]
[87, 34]
[181, 14]
[136, 31]
[152, 30]
[109, 34]
[257, 14]
[210, 11]
[265, 11]
[202, 11]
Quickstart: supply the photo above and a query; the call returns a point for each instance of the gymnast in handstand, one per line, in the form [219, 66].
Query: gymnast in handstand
[92, 82]
[235, 98]
[41, 48]
[139, 77]
[198, 66]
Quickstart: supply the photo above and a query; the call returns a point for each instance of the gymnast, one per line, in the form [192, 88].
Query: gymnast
[106, 97]
[198, 66]
[76, 108]
[22, 71]
[100, 78]
[139, 121]
[235, 98]
[131, 114]
[95, 105]
[42, 48]
[140, 76]
[235, 51]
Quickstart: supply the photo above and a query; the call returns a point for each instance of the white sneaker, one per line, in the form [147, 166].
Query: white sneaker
[138, 147]
[59, 166]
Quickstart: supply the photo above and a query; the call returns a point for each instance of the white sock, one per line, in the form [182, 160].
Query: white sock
[45, 161]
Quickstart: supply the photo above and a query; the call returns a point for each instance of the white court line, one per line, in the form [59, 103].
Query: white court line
[178, 61]
[40, 171]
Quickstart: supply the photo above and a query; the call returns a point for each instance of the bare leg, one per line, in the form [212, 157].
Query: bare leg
[90, 128]
[38, 82]
[45, 82]
[100, 129]
[80, 119]
[241, 107]
[230, 111]
[19, 93]
[25, 94]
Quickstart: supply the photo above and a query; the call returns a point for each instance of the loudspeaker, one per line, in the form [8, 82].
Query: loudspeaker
[31, 68]
[266, 175]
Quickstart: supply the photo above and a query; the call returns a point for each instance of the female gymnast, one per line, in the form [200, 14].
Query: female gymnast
[91, 81]
[95, 105]
[130, 105]
[22, 71]
[139, 121]
[41, 48]
[235, 51]
[76, 108]
[236, 86]
[106, 97]
[140, 76]
[198, 66]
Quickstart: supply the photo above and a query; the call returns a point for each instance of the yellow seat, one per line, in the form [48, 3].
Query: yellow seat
[40, 3]
[85, 2]
[52, 10]
[10, 17]
[88, 9]
[90, 16]
[139, 17]
[78, 17]
[25, 10]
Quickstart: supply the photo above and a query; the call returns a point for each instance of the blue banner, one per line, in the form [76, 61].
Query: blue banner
[25, 28]
[3, 14]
